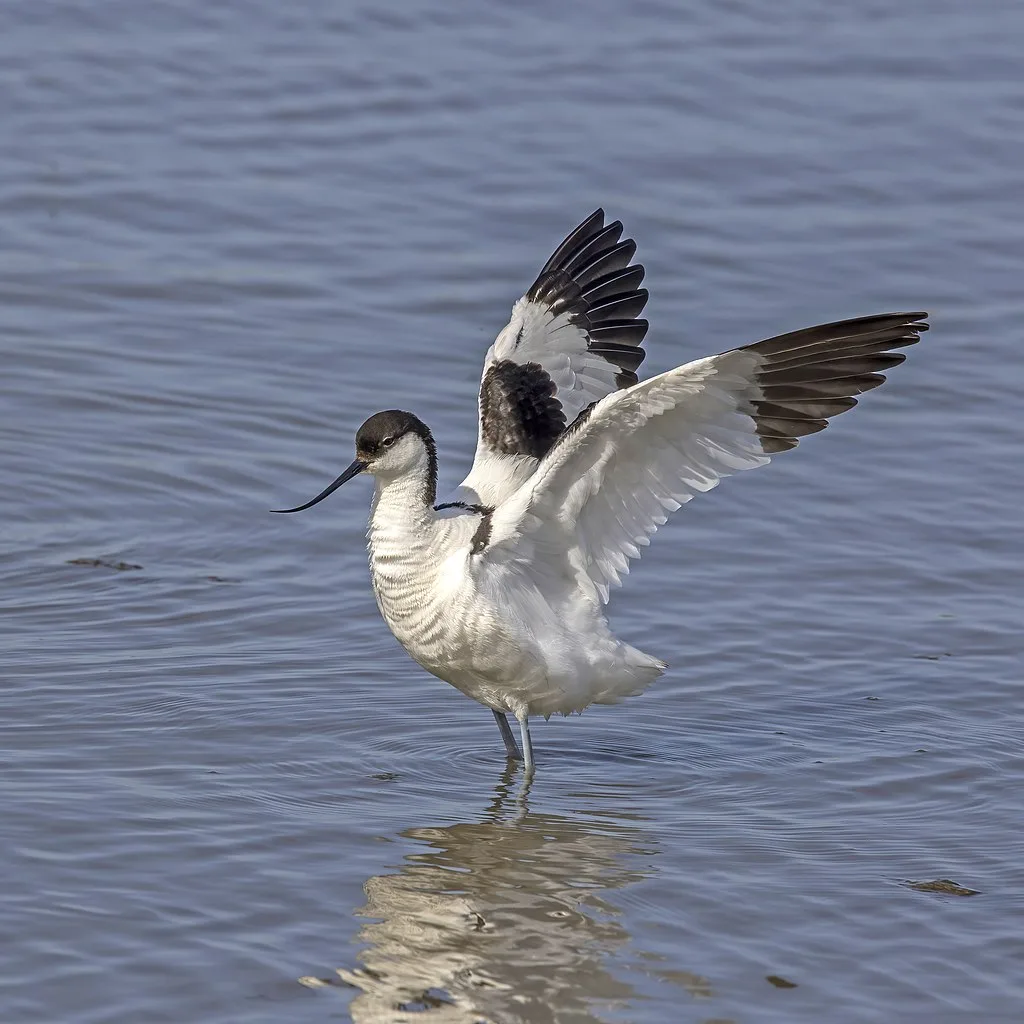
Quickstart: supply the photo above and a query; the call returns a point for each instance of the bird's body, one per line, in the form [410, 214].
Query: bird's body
[513, 642]
[501, 591]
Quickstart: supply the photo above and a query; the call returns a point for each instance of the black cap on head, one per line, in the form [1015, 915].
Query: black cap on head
[388, 426]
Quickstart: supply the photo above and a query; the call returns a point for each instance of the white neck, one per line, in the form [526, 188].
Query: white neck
[400, 503]
[402, 533]
[403, 508]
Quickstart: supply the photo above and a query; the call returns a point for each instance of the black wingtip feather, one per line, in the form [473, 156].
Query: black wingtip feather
[616, 258]
[591, 276]
[807, 376]
[573, 242]
[622, 333]
[626, 357]
[606, 239]
[616, 284]
[620, 307]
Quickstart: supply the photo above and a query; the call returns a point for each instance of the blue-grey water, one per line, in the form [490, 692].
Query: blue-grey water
[228, 233]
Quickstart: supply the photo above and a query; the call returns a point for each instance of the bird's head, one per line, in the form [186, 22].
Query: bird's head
[389, 444]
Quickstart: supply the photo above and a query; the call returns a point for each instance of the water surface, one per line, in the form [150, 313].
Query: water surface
[231, 232]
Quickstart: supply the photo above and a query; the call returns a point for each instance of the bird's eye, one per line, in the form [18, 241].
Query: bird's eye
[388, 442]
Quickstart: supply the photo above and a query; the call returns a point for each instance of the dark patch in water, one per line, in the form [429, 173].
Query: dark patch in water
[429, 999]
[946, 886]
[97, 563]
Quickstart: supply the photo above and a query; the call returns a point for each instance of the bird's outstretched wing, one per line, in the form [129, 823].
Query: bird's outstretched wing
[573, 338]
[610, 481]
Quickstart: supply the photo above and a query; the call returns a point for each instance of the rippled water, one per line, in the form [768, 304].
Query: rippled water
[232, 231]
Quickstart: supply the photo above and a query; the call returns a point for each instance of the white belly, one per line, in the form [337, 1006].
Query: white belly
[499, 641]
[456, 635]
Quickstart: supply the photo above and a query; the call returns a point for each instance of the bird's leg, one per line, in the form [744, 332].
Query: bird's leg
[506, 734]
[524, 729]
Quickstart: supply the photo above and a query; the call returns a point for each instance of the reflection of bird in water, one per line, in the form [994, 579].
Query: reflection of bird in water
[501, 920]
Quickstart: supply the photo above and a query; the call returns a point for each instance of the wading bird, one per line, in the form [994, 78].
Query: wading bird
[500, 591]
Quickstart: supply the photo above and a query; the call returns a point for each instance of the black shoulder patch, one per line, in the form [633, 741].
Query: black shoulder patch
[483, 530]
[576, 425]
[519, 414]
[585, 414]
[483, 534]
[468, 506]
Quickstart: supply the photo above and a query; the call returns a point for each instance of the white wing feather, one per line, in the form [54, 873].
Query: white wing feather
[644, 451]
[557, 342]
[573, 338]
[641, 454]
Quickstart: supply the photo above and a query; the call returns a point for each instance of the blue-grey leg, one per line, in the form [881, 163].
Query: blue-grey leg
[506, 734]
[524, 730]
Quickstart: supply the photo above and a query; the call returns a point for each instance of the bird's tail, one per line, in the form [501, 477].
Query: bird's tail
[637, 672]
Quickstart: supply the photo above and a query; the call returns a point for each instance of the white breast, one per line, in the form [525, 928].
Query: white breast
[492, 637]
[418, 569]
[426, 591]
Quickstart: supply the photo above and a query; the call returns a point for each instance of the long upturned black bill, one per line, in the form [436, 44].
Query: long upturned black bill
[354, 470]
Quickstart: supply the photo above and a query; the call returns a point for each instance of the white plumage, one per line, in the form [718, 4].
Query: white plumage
[501, 591]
